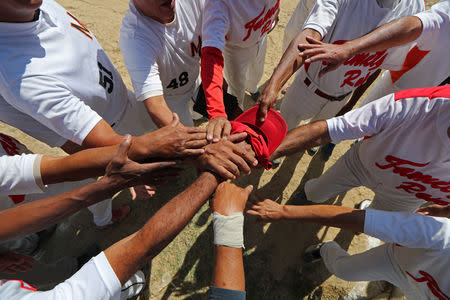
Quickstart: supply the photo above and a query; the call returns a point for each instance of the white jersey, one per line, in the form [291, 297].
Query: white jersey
[96, 280]
[421, 253]
[19, 172]
[406, 149]
[237, 23]
[56, 78]
[163, 59]
[339, 21]
[424, 62]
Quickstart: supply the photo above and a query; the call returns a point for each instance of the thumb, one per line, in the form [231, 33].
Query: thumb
[175, 120]
[248, 189]
[262, 112]
[312, 40]
[237, 137]
[124, 147]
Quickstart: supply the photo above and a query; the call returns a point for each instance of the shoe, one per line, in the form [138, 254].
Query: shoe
[313, 150]
[364, 204]
[90, 252]
[299, 198]
[133, 286]
[326, 151]
[276, 162]
[46, 233]
[312, 253]
[255, 95]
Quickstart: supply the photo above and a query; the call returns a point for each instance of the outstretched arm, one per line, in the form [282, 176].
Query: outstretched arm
[288, 65]
[392, 34]
[302, 138]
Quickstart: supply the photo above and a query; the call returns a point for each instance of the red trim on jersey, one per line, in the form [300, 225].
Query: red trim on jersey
[431, 284]
[9, 144]
[22, 285]
[17, 199]
[414, 56]
[429, 92]
[212, 81]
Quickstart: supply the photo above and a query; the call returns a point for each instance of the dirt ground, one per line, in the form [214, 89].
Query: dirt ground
[274, 269]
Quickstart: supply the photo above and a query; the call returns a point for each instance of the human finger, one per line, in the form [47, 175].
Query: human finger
[133, 193]
[231, 166]
[248, 189]
[196, 144]
[210, 130]
[262, 111]
[226, 129]
[241, 164]
[223, 172]
[237, 137]
[312, 40]
[124, 147]
[192, 130]
[193, 152]
[218, 129]
[248, 156]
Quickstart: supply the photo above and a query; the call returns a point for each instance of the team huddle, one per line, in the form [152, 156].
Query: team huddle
[58, 85]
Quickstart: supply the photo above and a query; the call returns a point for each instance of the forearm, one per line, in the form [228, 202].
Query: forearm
[291, 61]
[128, 256]
[81, 165]
[302, 138]
[158, 110]
[38, 215]
[389, 35]
[101, 135]
[328, 215]
[228, 268]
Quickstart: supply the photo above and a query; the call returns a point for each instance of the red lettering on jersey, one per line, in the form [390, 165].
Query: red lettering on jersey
[9, 144]
[265, 22]
[351, 77]
[17, 199]
[414, 56]
[429, 92]
[416, 186]
[197, 48]
[80, 26]
[431, 284]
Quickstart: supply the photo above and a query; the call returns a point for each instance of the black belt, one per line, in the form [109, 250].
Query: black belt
[324, 95]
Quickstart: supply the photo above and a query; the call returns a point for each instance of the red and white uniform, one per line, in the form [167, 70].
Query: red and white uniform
[420, 267]
[422, 63]
[164, 59]
[234, 34]
[56, 82]
[405, 157]
[96, 280]
[338, 21]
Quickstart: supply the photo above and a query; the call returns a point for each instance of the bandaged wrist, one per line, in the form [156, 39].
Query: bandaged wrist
[229, 230]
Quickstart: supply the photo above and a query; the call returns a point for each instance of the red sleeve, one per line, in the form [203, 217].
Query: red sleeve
[212, 81]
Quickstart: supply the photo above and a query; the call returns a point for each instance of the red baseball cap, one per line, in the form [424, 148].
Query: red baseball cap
[274, 129]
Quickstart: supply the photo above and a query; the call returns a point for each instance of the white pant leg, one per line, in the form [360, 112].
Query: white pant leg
[347, 173]
[382, 87]
[330, 109]
[295, 23]
[300, 103]
[181, 107]
[256, 68]
[136, 120]
[236, 64]
[375, 264]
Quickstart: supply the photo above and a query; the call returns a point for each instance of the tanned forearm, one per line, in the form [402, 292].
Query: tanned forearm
[158, 110]
[302, 138]
[291, 61]
[46, 212]
[228, 268]
[128, 255]
[328, 215]
[389, 35]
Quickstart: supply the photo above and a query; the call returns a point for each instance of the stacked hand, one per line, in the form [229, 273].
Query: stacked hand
[218, 128]
[230, 199]
[265, 209]
[435, 210]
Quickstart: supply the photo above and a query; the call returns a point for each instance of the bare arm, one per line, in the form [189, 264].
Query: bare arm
[288, 65]
[158, 110]
[328, 215]
[392, 34]
[129, 254]
[302, 138]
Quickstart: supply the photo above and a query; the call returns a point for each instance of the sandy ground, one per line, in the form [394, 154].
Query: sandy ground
[274, 269]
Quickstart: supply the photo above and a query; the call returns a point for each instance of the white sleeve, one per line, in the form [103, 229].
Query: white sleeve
[50, 102]
[408, 229]
[20, 174]
[435, 25]
[140, 60]
[216, 23]
[375, 117]
[95, 280]
[322, 16]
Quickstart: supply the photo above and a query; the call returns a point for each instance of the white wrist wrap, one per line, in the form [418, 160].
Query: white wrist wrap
[228, 230]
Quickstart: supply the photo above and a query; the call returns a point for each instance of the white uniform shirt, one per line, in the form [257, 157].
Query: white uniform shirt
[96, 280]
[343, 20]
[19, 172]
[49, 70]
[424, 254]
[426, 63]
[242, 23]
[163, 58]
[407, 150]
